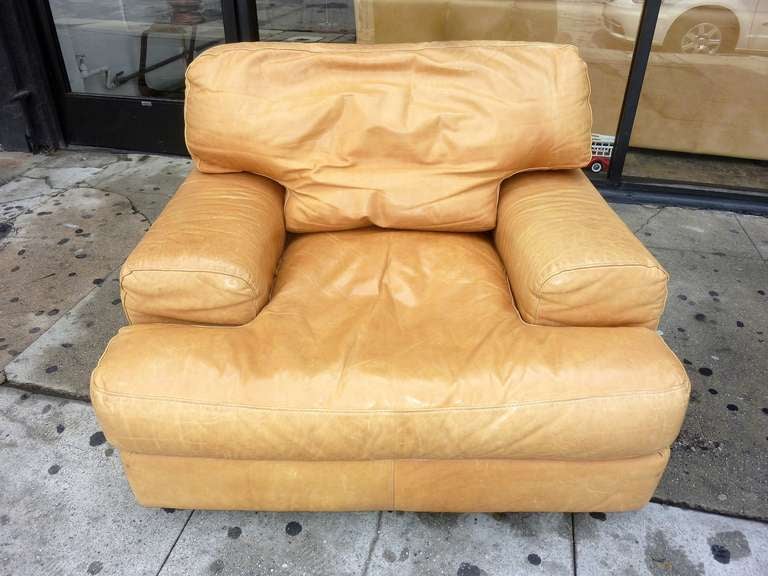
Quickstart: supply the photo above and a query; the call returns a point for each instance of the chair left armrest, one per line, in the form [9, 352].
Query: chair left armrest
[211, 256]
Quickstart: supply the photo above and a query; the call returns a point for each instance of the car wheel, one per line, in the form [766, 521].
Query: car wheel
[703, 31]
[596, 167]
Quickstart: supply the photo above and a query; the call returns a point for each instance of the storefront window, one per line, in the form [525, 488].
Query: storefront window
[702, 117]
[134, 47]
[705, 93]
[306, 21]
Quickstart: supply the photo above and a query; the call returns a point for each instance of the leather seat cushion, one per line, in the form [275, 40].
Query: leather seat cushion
[390, 344]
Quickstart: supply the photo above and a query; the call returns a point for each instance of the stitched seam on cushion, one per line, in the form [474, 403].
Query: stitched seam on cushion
[541, 289]
[124, 303]
[588, 152]
[394, 475]
[361, 48]
[677, 388]
[664, 300]
[358, 48]
[659, 452]
[254, 292]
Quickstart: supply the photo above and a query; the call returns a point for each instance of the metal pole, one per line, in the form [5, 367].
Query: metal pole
[640, 55]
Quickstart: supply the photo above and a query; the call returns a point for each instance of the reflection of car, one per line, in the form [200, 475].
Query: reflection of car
[695, 26]
[602, 150]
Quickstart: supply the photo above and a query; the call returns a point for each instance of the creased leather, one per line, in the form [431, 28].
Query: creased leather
[211, 255]
[410, 136]
[371, 368]
[415, 485]
[571, 261]
[390, 344]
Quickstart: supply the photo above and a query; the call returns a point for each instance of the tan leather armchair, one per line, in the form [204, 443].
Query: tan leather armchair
[456, 320]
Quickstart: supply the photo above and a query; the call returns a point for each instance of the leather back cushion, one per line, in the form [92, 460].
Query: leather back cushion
[414, 136]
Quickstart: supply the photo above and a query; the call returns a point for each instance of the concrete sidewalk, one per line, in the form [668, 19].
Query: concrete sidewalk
[68, 220]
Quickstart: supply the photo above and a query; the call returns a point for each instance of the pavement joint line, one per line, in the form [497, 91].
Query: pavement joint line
[574, 562]
[694, 251]
[372, 545]
[27, 197]
[41, 390]
[178, 537]
[47, 180]
[750, 238]
[685, 506]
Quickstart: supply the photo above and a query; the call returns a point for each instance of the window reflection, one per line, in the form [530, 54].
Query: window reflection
[306, 20]
[134, 47]
[705, 91]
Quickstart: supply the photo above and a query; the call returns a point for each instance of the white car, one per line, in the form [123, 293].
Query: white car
[695, 26]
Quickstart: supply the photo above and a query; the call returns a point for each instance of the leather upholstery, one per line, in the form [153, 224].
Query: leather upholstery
[571, 261]
[390, 344]
[373, 368]
[417, 485]
[210, 256]
[418, 137]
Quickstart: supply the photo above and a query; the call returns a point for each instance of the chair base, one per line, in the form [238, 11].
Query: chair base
[413, 485]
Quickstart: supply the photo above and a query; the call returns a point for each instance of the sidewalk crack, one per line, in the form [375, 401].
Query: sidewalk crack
[648, 220]
[372, 545]
[176, 541]
[759, 254]
[133, 206]
[573, 544]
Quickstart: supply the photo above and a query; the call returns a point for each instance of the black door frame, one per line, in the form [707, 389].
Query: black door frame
[28, 108]
[143, 124]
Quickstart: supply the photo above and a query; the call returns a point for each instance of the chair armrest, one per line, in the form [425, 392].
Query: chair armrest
[570, 260]
[211, 255]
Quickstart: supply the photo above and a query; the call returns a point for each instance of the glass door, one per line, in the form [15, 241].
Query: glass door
[703, 112]
[122, 63]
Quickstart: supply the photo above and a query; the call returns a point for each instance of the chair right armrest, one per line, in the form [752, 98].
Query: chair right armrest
[211, 256]
[570, 260]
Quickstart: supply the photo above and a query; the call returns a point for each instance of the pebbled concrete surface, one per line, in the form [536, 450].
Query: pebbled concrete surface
[68, 220]
[373, 543]
[716, 322]
[665, 541]
[61, 360]
[52, 254]
[65, 507]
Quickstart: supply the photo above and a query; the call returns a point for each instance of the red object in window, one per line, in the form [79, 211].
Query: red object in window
[602, 150]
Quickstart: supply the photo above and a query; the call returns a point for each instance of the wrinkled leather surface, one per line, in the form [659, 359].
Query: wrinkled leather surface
[417, 485]
[382, 368]
[390, 344]
[571, 261]
[210, 257]
[410, 136]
